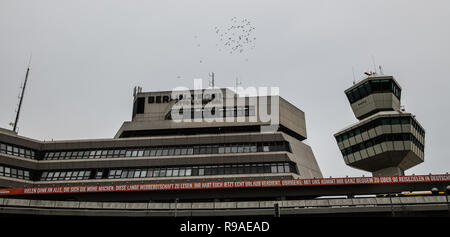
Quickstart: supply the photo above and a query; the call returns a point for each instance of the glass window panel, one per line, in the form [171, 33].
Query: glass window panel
[153, 152]
[62, 175]
[228, 149]
[143, 173]
[234, 149]
[137, 174]
[162, 172]
[124, 174]
[177, 151]
[240, 149]
[156, 173]
[171, 151]
[159, 152]
[280, 168]
[175, 172]
[184, 151]
[286, 168]
[9, 149]
[16, 151]
[188, 171]
[246, 148]
[201, 171]
[129, 174]
[49, 176]
[182, 172]
[190, 151]
[221, 150]
[405, 120]
[395, 121]
[273, 169]
[165, 152]
[169, 172]
[356, 94]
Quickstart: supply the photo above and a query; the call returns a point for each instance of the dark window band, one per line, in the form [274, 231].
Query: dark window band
[17, 151]
[7, 171]
[154, 172]
[380, 139]
[169, 151]
[379, 122]
[371, 87]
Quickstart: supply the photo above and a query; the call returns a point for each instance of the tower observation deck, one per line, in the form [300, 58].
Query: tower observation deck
[387, 140]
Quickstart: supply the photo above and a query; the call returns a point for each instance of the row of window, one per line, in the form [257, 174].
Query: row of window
[169, 172]
[373, 86]
[378, 122]
[380, 139]
[66, 175]
[17, 151]
[14, 173]
[202, 170]
[169, 151]
[214, 113]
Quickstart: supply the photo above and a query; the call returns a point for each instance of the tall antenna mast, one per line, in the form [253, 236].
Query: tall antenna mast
[212, 79]
[374, 65]
[22, 94]
[354, 79]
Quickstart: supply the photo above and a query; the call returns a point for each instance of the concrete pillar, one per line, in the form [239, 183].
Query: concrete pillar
[390, 171]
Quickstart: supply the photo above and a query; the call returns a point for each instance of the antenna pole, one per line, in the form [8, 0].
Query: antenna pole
[354, 80]
[21, 97]
[374, 66]
[212, 79]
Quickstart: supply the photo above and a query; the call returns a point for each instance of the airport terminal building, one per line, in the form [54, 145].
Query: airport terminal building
[153, 148]
[225, 159]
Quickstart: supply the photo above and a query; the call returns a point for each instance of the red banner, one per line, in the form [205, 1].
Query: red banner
[227, 184]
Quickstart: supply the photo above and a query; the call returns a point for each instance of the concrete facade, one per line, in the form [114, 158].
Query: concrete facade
[283, 147]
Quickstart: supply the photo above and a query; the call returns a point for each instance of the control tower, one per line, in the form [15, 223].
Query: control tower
[387, 140]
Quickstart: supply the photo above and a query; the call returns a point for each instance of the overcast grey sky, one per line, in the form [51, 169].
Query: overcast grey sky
[89, 54]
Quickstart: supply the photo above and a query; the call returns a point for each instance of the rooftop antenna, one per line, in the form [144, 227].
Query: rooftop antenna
[22, 94]
[381, 70]
[354, 80]
[212, 79]
[374, 65]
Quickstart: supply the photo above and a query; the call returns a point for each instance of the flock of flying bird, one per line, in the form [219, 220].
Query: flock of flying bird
[237, 37]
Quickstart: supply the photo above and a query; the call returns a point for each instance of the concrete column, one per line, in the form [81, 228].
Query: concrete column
[390, 171]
